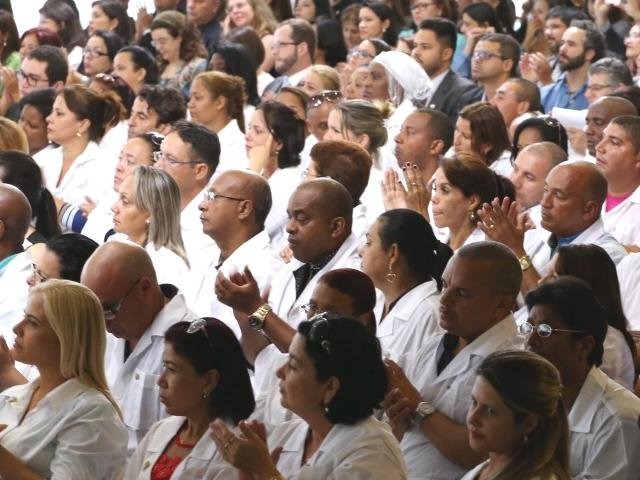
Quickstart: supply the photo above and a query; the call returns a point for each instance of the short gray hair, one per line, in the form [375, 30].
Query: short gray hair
[615, 69]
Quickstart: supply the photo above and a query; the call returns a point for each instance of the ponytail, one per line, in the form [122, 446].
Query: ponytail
[47, 215]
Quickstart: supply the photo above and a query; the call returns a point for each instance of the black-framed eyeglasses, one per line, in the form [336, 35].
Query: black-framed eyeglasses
[332, 96]
[210, 196]
[543, 330]
[199, 324]
[278, 45]
[94, 53]
[111, 311]
[160, 157]
[420, 6]
[38, 276]
[31, 80]
[483, 55]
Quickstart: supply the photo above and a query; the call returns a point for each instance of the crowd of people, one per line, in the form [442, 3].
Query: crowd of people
[320, 239]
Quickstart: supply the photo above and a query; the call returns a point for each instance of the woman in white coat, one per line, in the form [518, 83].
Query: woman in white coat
[333, 380]
[147, 212]
[405, 262]
[518, 419]
[204, 378]
[64, 424]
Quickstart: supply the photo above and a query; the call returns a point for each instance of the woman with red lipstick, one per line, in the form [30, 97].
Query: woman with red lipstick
[204, 378]
[518, 419]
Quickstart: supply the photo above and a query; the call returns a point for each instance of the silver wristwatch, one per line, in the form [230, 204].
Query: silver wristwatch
[423, 410]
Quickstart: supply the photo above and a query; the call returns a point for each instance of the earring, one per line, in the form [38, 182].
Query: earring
[526, 439]
[326, 409]
[473, 216]
[205, 394]
[147, 221]
[78, 134]
[391, 276]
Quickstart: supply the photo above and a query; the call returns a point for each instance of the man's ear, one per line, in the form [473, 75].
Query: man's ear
[338, 227]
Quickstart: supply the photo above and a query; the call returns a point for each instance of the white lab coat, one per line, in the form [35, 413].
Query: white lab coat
[74, 432]
[233, 154]
[540, 251]
[198, 245]
[13, 293]
[134, 381]
[474, 474]
[257, 254]
[169, 267]
[282, 183]
[476, 235]
[629, 277]
[617, 361]
[502, 165]
[603, 425]
[100, 220]
[114, 140]
[449, 392]
[411, 321]
[366, 450]
[623, 221]
[91, 174]
[203, 462]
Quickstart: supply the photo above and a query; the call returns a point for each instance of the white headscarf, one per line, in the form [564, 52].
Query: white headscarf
[406, 78]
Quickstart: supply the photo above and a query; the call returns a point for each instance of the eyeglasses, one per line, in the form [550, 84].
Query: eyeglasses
[311, 309]
[106, 78]
[483, 55]
[162, 157]
[553, 123]
[278, 45]
[358, 53]
[199, 324]
[38, 276]
[160, 42]
[31, 80]
[596, 87]
[543, 330]
[332, 96]
[210, 196]
[420, 6]
[319, 331]
[111, 311]
[93, 53]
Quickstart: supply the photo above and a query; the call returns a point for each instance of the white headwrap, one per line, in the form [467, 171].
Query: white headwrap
[406, 78]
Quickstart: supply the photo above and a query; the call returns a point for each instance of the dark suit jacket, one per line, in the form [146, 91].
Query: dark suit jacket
[447, 97]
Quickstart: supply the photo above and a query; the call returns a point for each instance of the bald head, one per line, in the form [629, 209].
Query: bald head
[331, 197]
[15, 217]
[549, 151]
[600, 113]
[503, 269]
[590, 180]
[117, 263]
[249, 185]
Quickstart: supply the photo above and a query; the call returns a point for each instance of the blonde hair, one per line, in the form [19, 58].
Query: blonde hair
[12, 137]
[328, 76]
[230, 87]
[264, 22]
[364, 117]
[156, 193]
[75, 315]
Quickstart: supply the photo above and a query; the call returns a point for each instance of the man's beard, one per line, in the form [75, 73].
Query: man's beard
[287, 64]
[573, 63]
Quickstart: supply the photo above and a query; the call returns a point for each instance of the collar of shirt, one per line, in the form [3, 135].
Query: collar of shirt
[57, 399]
[588, 401]
[6, 261]
[167, 430]
[437, 80]
[402, 309]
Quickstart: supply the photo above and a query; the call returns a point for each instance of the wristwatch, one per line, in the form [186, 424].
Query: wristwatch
[256, 319]
[525, 262]
[423, 410]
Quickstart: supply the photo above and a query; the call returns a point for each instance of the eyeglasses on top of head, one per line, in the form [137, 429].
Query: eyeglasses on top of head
[332, 96]
[199, 324]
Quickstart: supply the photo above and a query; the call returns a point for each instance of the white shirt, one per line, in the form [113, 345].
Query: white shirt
[282, 182]
[13, 293]
[474, 474]
[393, 125]
[623, 221]
[74, 432]
[617, 361]
[264, 79]
[169, 266]
[502, 166]
[257, 254]
[372, 196]
[411, 321]
[233, 154]
[91, 174]
[114, 140]
[366, 450]
[198, 245]
[540, 252]
[449, 392]
[134, 381]
[203, 461]
[603, 424]
[629, 277]
[476, 235]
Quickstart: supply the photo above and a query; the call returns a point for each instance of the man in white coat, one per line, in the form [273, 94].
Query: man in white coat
[137, 313]
[233, 212]
[603, 416]
[618, 157]
[431, 388]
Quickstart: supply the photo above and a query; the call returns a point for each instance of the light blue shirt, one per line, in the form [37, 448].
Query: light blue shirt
[558, 95]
